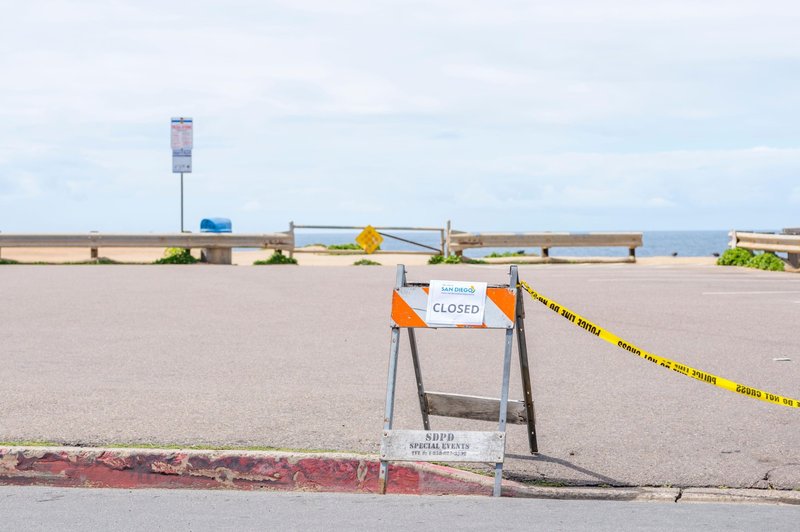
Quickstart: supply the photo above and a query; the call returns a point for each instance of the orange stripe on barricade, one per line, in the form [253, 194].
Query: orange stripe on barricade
[409, 308]
[505, 299]
[403, 315]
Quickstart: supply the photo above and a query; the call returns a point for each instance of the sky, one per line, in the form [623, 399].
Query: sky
[561, 115]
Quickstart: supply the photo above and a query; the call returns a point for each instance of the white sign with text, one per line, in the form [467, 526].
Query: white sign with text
[456, 303]
[444, 446]
[182, 141]
[182, 134]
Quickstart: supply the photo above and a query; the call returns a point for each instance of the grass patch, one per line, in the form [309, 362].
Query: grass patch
[176, 256]
[496, 255]
[348, 246]
[90, 262]
[454, 259]
[173, 447]
[29, 443]
[441, 259]
[366, 262]
[276, 258]
[544, 483]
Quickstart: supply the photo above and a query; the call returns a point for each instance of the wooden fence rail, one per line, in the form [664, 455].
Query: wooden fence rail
[460, 241]
[217, 246]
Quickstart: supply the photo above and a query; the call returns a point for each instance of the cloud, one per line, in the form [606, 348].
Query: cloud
[660, 203]
[252, 206]
[19, 186]
[585, 112]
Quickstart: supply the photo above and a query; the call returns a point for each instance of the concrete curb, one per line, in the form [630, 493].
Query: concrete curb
[735, 495]
[289, 471]
[273, 470]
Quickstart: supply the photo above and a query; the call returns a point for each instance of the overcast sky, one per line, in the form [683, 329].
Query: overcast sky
[499, 115]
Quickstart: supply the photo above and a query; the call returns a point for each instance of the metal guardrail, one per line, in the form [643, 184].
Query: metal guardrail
[442, 250]
[209, 241]
[459, 241]
[218, 246]
[789, 243]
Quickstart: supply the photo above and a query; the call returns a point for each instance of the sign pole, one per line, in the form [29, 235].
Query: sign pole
[181, 139]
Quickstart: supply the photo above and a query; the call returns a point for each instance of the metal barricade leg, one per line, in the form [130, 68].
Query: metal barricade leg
[423, 401]
[522, 347]
[498, 467]
[388, 414]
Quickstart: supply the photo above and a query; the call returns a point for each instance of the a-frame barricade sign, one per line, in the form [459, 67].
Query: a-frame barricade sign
[503, 309]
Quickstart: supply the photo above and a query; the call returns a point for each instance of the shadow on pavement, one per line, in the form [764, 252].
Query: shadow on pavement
[601, 479]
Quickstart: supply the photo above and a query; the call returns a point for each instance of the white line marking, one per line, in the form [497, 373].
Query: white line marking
[753, 292]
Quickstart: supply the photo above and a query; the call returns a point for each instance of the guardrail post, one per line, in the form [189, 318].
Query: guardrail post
[219, 255]
[447, 240]
[792, 258]
[93, 248]
[291, 232]
[734, 240]
[545, 253]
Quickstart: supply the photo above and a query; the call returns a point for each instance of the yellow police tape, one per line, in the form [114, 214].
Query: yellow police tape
[588, 326]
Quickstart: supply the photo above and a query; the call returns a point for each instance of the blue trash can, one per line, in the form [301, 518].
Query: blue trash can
[216, 225]
[215, 255]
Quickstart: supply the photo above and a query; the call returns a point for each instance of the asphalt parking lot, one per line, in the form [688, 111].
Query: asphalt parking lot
[296, 357]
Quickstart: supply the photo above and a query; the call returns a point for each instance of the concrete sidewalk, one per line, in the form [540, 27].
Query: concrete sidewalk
[295, 357]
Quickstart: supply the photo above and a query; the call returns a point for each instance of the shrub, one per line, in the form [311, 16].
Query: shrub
[176, 256]
[8, 261]
[276, 258]
[349, 246]
[440, 259]
[735, 257]
[496, 255]
[366, 262]
[766, 261]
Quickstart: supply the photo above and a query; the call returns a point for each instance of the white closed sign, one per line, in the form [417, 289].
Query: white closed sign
[456, 303]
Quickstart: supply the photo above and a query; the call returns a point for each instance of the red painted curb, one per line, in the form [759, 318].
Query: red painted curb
[245, 470]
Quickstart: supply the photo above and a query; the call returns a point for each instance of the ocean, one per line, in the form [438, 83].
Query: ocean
[656, 244]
